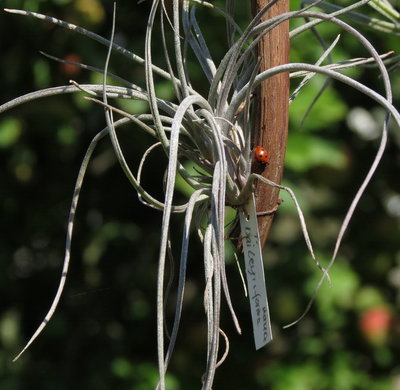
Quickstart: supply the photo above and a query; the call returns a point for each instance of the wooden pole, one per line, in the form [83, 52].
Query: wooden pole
[272, 122]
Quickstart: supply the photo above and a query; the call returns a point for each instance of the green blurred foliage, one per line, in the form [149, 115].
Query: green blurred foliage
[103, 334]
[10, 130]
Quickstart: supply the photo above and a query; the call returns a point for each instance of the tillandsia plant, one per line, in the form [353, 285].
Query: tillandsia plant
[214, 133]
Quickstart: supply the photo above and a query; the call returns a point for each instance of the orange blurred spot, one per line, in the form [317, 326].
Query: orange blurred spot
[70, 69]
[375, 324]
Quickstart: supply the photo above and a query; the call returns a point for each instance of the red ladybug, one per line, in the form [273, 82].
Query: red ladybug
[261, 155]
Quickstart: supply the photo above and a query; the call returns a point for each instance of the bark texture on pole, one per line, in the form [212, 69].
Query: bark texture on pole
[272, 122]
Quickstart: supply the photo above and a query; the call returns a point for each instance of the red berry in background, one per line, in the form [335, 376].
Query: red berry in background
[375, 324]
[69, 69]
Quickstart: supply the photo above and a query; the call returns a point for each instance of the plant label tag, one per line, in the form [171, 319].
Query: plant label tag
[255, 276]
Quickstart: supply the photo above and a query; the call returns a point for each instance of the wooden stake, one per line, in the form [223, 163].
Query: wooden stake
[272, 122]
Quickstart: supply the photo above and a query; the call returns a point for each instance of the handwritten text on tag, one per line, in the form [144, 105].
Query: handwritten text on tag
[255, 276]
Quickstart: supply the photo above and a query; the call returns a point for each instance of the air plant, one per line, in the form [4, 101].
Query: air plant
[213, 132]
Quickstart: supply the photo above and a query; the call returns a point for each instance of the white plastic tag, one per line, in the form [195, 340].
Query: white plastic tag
[255, 276]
